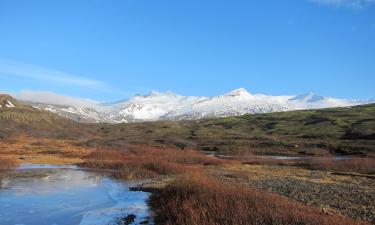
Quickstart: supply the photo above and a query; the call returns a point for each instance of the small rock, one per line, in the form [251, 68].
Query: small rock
[129, 219]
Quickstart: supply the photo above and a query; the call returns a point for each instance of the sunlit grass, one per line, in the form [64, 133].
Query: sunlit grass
[147, 162]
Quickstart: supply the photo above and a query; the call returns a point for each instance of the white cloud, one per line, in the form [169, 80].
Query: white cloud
[47, 97]
[356, 4]
[12, 68]
[53, 98]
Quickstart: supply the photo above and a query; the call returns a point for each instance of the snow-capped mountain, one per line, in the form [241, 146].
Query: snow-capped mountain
[154, 106]
[237, 102]
[81, 114]
[170, 106]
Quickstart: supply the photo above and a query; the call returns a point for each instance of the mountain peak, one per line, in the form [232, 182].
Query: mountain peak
[238, 92]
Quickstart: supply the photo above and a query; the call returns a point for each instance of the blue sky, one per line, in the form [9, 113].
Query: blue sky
[109, 50]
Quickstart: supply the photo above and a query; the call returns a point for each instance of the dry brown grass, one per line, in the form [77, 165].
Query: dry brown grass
[358, 165]
[43, 150]
[7, 163]
[147, 162]
[200, 200]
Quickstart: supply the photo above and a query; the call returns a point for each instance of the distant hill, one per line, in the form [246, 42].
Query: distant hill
[7, 101]
[12, 110]
[18, 118]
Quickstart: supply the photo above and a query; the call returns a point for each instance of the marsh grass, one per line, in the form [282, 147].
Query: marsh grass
[147, 162]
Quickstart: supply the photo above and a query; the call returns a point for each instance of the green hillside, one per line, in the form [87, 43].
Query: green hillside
[327, 131]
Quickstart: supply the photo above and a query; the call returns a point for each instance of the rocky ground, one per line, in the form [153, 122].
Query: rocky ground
[347, 195]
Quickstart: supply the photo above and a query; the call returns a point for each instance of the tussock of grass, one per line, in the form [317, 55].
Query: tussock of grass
[148, 162]
[200, 200]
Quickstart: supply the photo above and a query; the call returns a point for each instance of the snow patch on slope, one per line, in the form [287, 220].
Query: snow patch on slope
[9, 104]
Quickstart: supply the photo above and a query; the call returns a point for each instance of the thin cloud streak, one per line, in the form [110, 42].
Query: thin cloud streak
[9, 68]
[53, 98]
[16, 69]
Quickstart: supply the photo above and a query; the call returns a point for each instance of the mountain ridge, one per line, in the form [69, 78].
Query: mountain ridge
[171, 106]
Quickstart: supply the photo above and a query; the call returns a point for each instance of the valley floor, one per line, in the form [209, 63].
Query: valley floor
[330, 193]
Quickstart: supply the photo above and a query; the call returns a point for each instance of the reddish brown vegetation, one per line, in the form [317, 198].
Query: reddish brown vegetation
[203, 201]
[358, 165]
[147, 162]
[7, 163]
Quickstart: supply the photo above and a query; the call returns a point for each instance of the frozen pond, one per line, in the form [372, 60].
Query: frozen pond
[49, 195]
